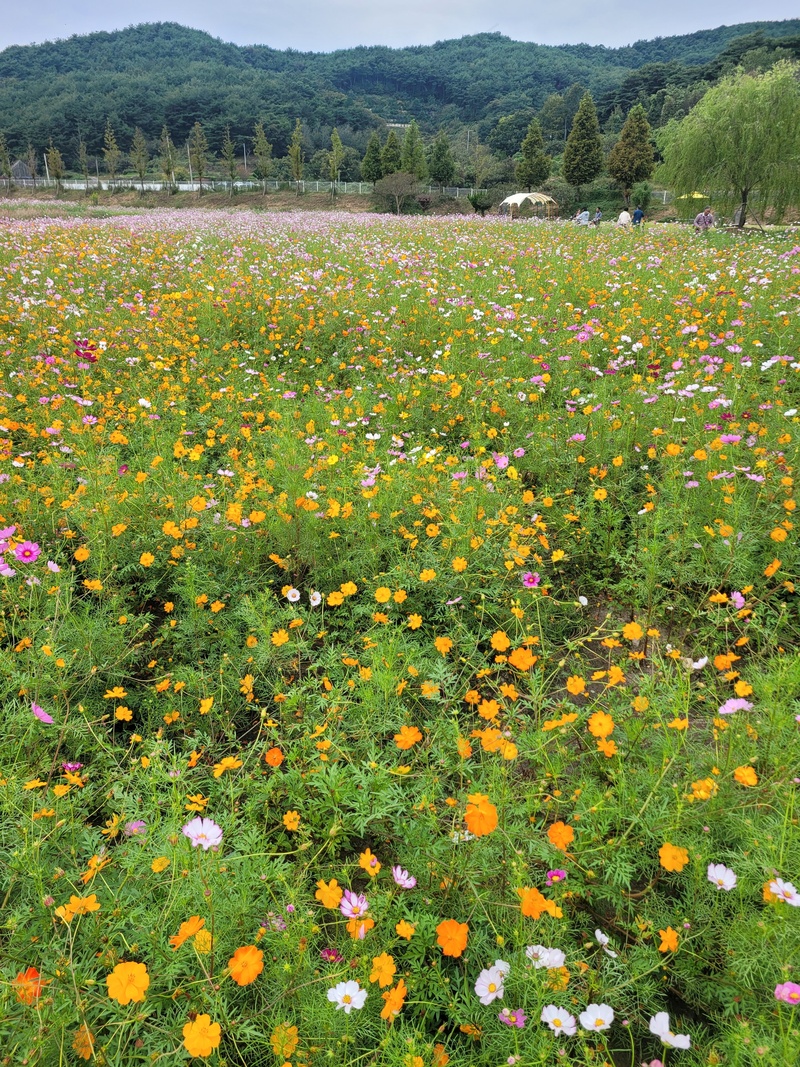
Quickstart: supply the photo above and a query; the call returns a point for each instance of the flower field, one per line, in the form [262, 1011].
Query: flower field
[399, 633]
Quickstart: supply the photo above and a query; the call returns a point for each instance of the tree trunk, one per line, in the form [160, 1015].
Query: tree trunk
[743, 209]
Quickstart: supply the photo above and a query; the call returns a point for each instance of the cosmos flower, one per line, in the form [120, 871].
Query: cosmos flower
[203, 832]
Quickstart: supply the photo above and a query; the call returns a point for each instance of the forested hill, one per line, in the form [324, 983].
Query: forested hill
[162, 73]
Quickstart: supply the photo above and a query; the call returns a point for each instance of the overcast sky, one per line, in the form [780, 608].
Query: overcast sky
[325, 25]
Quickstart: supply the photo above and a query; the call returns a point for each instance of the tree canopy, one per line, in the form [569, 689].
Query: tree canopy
[631, 159]
[741, 143]
[583, 155]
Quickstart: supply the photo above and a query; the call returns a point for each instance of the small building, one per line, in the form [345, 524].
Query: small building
[20, 172]
[513, 203]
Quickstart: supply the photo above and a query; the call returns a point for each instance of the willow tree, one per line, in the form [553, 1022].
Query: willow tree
[741, 143]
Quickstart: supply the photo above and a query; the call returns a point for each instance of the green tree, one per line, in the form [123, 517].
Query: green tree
[296, 156]
[413, 157]
[553, 118]
[742, 141]
[262, 150]
[505, 138]
[631, 159]
[371, 165]
[139, 155]
[583, 155]
[83, 162]
[166, 157]
[5, 161]
[55, 165]
[111, 153]
[534, 167]
[198, 153]
[335, 157]
[441, 164]
[229, 158]
[32, 161]
[392, 155]
[396, 189]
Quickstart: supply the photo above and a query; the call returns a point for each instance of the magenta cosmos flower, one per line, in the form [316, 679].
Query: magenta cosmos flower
[27, 552]
[204, 832]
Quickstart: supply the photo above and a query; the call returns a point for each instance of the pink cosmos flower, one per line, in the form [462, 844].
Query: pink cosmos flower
[517, 1017]
[530, 579]
[204, 832]
[41, 714]
[788, 992]
[555, 876]
[721, 876]
[734, 704]
[785, 891]
[353, 905]
[403, 878]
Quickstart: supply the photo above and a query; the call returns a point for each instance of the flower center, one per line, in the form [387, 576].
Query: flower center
[599, 1022]
[347, 999]
[557, 1022]
[492, 987]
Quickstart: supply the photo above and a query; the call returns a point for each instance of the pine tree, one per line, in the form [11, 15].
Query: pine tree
[583, 155]
[139, 155]
[335, 157]
[391, 156]
[262, 150]
[371, 165]
[198, 153]
[111, 152]
[229, 158]
[296, 156]
[166, 150]
[55, 164]
[631, 159]
[413, 157]
[534, 167]
[441, 164]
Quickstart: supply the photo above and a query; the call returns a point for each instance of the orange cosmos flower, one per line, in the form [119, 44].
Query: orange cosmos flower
[600, 724]
[481, 815]
[291, 820]
[408, 737]
[186, 930]
[576, 684]
[128, 982]
[632, 632]
[383, 970]
[274, 757]
[561, 835]
[673, 857]
[522, 659]
[284, 1040]
[405, 930]
[669, 940]
[84, 1043]
[28, 986]
[500, 641]
[246, 964]
[369, 863]
[534, 904]
[329, 894]
[745, 776]
[452, 936]
[395, 998]
[201, 1036]
[443, 645]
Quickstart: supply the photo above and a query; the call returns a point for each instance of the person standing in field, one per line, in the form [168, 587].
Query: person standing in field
[704, 221]
[638, 216]
[624, 219]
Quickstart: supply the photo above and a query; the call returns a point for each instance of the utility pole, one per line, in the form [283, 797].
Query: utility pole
[189, 157]
[244, 150]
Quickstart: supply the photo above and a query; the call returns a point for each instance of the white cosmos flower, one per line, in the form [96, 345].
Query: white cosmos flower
[315, 598]
[540, 956]
[347, 996]
[503, 967]
[659, 1025]
[721, 876]
[489, 985]
[597, 1017]
[785, 891]
[292, 595]
[602, 941]
[559, 1020]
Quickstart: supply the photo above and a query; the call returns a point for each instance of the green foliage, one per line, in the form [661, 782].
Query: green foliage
[336, 158]
[198, 153]
[504, 140]
[392, 155]
[139, 155]
[296, 154]
[5, 159]
[534, 167]
[166, 156]
[412, 159]
[441, 164]
[112, 156]
[742, 142]
[371, 164]
[262, 150]
[55, 165]
[583, 154]
[631, 159]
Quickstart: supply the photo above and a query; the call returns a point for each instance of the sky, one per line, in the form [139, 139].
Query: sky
[326, 25]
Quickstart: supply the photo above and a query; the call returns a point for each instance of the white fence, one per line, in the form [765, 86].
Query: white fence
[132, 184]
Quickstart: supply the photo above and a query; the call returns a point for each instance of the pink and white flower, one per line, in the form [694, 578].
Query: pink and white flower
[403, 878]
[203, 832]
[597, 1017]
[721, 876]
[347, 996]
[353, 905]
[659, 1025]
[540, 956]
[489, 985]
[785, 891]
[559, 1020]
